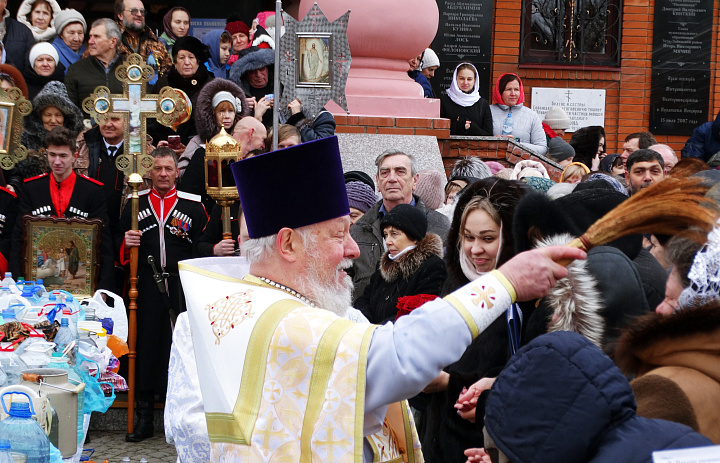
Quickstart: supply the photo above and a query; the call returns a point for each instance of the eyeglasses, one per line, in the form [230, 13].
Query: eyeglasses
[140, 11]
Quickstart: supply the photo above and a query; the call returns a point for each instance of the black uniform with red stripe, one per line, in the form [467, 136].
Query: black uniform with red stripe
[87, 201]
[170, 226]
[8, 214]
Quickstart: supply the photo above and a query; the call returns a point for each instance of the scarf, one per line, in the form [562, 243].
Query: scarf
[468, 268]
[407, 249]
[497, 96]
[168, 35]
[460, 97]
[66, 54]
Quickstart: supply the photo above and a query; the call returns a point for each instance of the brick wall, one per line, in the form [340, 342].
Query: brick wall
[439, 128]
[627, 104]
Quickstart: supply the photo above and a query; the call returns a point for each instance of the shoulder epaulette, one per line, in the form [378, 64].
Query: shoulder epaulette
[140, 193]
[8, 191]
[190, 196]
[36, 177]
[98, 182]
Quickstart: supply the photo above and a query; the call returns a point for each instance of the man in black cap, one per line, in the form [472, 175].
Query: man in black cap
[272, 369]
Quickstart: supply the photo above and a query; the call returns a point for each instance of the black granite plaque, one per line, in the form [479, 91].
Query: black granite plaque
[464, 34]
[682, 42]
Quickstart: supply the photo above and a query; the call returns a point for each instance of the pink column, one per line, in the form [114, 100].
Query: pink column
[383, 35]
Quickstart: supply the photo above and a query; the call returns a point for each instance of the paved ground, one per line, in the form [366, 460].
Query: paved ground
[111, 446]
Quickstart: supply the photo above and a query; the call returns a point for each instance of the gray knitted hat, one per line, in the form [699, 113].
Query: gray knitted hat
[557, 119]
[68, 16]
[360, 196]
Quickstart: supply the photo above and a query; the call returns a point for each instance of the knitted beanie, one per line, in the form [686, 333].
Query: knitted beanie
[431, 188]
[557, 119]
[409, 219]
[360, 196]
[237, 26]
[559, 149]
[43, 48]
[68, 16]
[430, 58]
[494, 166]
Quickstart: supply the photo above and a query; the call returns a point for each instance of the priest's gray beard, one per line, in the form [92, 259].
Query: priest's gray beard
[328, 295]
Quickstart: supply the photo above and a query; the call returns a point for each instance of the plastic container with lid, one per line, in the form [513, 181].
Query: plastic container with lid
[11, 364]
[24, 434]
[5, 456]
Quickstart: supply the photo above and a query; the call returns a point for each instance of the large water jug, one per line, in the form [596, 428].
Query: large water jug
[25, 434]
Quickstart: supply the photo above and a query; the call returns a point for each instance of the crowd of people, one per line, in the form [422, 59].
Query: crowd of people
[458, 271]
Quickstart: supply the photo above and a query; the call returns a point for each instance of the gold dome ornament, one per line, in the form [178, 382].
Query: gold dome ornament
[221, 151]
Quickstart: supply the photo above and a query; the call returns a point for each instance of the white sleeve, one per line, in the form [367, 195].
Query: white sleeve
[406, 356]
[185, 424]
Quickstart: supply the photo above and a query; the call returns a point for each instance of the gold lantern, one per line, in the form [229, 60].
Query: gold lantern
[221, 151]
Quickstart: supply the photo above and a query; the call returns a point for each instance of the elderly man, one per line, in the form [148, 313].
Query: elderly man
[171, 223]
[17, 39]
[325, 381]
[644, 167]
[273, 369]
[85, 75]
[668, 154]
[396, 178]
[253, 73]
[138, 38]
[636, 141]
[251, 134]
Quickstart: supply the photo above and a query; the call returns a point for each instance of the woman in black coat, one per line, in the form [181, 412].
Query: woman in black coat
[411, 266]
[472, 251]
[468, 112]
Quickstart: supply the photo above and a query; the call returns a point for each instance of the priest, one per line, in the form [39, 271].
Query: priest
[274, 364]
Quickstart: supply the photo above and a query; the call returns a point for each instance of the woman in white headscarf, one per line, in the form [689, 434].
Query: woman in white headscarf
[468, 112]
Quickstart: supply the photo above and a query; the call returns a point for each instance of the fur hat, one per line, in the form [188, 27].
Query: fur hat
[250, 61]
[559, 149]
[43, 48]
[431, 188]
[194, 46]
[360, 195]
[411, 220]
[585, 141]
[205, 121]
[430, 58]
[557, 119]
[68, 16]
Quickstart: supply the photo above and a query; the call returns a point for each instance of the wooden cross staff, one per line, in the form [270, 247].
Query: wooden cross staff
[135, 107]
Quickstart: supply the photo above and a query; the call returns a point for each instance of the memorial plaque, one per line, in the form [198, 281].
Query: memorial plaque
[680, 90]
[583, 106]
[464, 34]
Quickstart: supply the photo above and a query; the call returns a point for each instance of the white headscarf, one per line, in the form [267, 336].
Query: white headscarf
[468, 267]
[460, 97]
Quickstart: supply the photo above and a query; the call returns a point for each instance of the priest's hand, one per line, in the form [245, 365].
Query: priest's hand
[533, 273]
[224, 248]
[132, 238]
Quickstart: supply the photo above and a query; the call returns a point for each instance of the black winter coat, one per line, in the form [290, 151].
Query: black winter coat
[479, 115]
[419, 271]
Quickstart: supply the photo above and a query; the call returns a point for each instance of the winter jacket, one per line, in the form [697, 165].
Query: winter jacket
[46, 35]
[35, 82]
[479, 115]
[145, 44]
[527, 126]
[675, 360]
[322, 126]
[420, 78]
[368, 236]
[419, 271]
[67, 55]
[18, 41]
[704, 141]
[560, 399]
[53, 94]
[85, 75]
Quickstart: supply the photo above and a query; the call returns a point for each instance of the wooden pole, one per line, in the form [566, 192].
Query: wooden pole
[134, 181]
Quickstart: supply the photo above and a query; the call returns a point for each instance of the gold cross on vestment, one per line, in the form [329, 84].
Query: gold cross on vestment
[483, 296]
[135, 106]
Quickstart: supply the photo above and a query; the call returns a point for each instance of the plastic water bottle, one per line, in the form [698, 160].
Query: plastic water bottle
[28, 292]
[65, 336]
[7, 281]
[5, 456]
[40, 288]
[25, 434]
[507, 128]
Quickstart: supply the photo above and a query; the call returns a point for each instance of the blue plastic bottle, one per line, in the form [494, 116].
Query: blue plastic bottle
[24, 434]
[65, 336]
[5, 456]
[507, 128]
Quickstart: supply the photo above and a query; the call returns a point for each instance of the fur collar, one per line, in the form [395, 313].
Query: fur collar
[205, 121]
[651, 329]
[409, 263]
[575, 301]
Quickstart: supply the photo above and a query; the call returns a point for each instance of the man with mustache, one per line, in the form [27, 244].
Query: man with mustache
[138, 38]
[275, 364]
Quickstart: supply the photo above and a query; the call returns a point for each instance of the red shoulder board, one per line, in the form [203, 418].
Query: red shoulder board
[93, 180]
[36, 177]
[8, 191]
